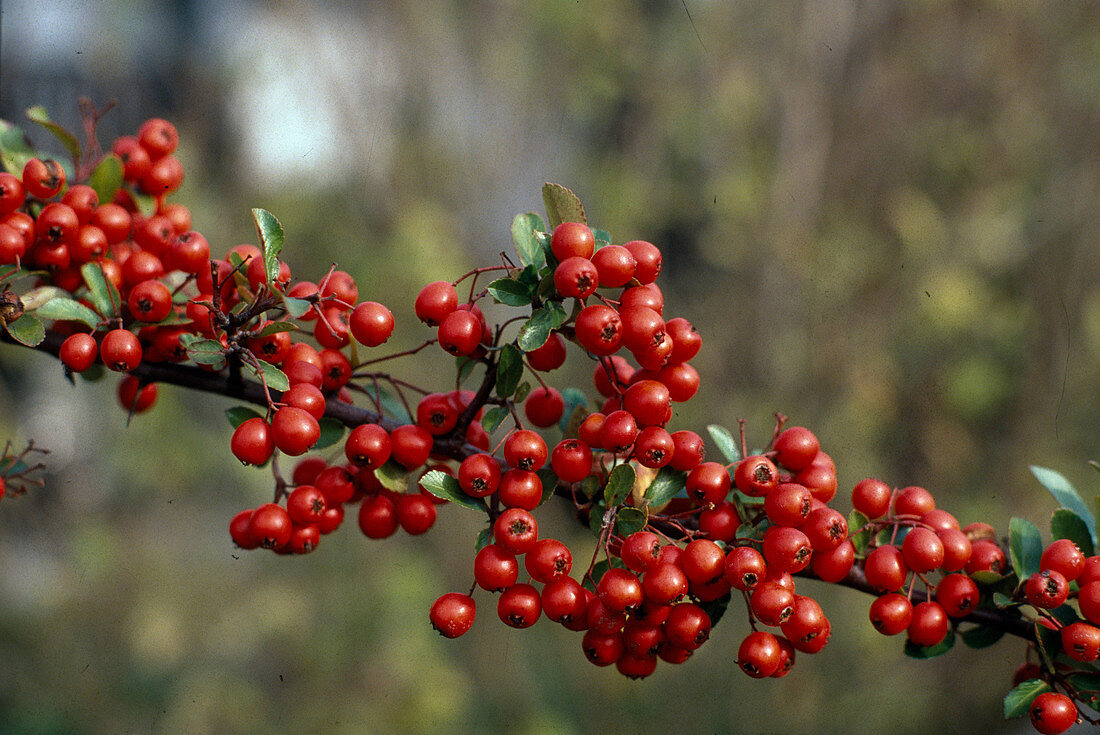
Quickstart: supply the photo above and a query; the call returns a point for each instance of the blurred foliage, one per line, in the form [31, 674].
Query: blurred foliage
[881, 216]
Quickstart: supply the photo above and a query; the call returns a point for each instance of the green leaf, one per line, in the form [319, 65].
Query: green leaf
[665, 486]
[562, 205]
[1001, 600]
[1025, 546]
[39, 115]
[442, 485]
[511, 292]
[727, 445]
[393, 406]
[271, 241]
[392, 476]
[484, 538]
[1088, 688]
[296, 307]
[1050, 643]
[493, 418]
[509, 370]
[274, 377]
[276, 327]
[528, 248]
[981, 636]
[69, 310]
[536, 330]
[856, 522]
[715, 609]
[464, 366]
[1058, 486]
[595, 517]
[1018, 701]
[102, 292]
[27, 330]
[603, 238]
[914, 651]
[239, 414]
[15, 151]
[574, 412]
[146, 203]
[332, 431]
[1068, 525]
[549, 483]
[106, 177]
[207, 352]
[590, 486]
[630, 520]
[619, 484]
[522, 391]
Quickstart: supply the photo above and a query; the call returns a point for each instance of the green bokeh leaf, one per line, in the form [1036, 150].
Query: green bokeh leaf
[511, 292]
[981, 636]
[106, 177]
[68, 310]
[442, 485]
[665, 486]
[332, 431]
[39, 115]
[15, 151]
[509, 370]
[1058, 486]
[528, 248]
[27, 329]
[1064, 523]
[1025, 546]
[484, 538]
[630, 520]
[619, 484]
[237, 415]
[103, 294]
[562, 205]
[727, 445]
[1018, 701]
[296, 307]
[271, 241]
[914, 651]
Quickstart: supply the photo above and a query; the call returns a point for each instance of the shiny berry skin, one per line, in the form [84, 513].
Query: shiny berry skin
[708, 483]
[1089, 600]
[452, 614]
[550, 356]
[1081, 641]
[307, 397]
[615, 265]
[270, 526]
[576, 278]
[416, 513]
[525, 450]
[956, 549]
[516, 530]
[648, 259]
[619, 431]
[640, 550]
[547, 560]
[1052, 713]
[238, 530]
[306, 504]
[544, 407]
[787, 549]
[564, 601]
[599, 329]
[745, 567]
[163, 177]
[436, 413]
[12, 244]
[788, 504]
[759, 654]
[929, 624]
[620, 590]
[135, 396]
[572, 239]
[958, 594]
[871, 497]
[1064, 557]
[686, 340]
[371, 323]
[411, 445]
[833, 566]
[12, 194]
[689, 450]
[43, 179]
[688, 626]
[368, 446]
[519, 606]
[771, 603]
[377, 517]
[460, 332]
[78, 352]
[158, 137]
[294, 430]
[434, 302]
[796, 448]
[643, 329]
[703, 561]
[805, 625]
[664, 583]
[1046, 589]
[885, 569]
[922, 550]
[603, 648]
[986, 556]
[120, 350]
[495, 568]
[891, 613]
[649, 402]
[252, 442]
[756, 476]
[654, 447]
[150, 301]
[913, 501]
[479, 475]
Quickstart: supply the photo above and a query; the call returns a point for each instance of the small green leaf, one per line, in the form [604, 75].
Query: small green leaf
[146, 203]
[1025, 546]
[464, 366]
[628, 520]
[276, 327]
[1088, 688]
[562, 205]
[715, 609]
[511, 292]
[914, 651]
[861, 532]
[981, 636]
[332, 431]
[39, 115]
[528, 248]
[1050, 643]
[549, 483]
[574, 412]
[536, 330]
[274, 377]
[484, 538]
[442, 485]
[1001, 600]
[727, 445]
[1018, 701]
[106, 178]
[595, 517]
[603, 238]
[1068, 525]
[15, 151]
[68, 310]
[493, 418]
[1058, 486]
[271, 241]
[619, 484]
[392, 406]
[296, 307]
[392, 476]
[104, 295]
[590, 486]
[27, 330]
[239, 414]
[509, 370]
[665, 486]
[207, 352]
[987, 578]
[94, 373]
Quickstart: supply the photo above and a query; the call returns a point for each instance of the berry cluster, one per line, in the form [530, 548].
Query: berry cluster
[128, 286]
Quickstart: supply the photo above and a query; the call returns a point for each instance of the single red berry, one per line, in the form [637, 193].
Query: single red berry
[525, 450]
[929, 624]
[270, 526]
[615, 265]
[572, 239]
[796, 448]
[371, 323]
[563, 600]
[986, 556]
[913, 501]
[756, 476]
[495, 568]
[703, 561]
[520, 489]
[759, 654]
[294, 430]
[479, 475]
[603, 648]
[771, 602]
[618, 432]
[452, 614]
[648, 259]
[1088, 598]
[787, 549]
[599, 329]
[958, 594]
[135, 396]
[956, 549]
[576, 278]
[43, 179]
[788, 504]
[150, 301]
[745, 567]
[686, 340]
[435, 301]
[689, 450]
[885, 569]
[12, 193]
[806, 624]
[120, 350]
[411, 445]
[1046, 589]
[688, 626]
[460, 332]
[550, 356]
[681, 379]
[709, 482]
[78, 351]
[1052, 713]
[640, 550]
[833, 566]
[436, 413]
[377, 517]
[1064, 557]
[368, 446]
[163, 177]
[654, 447]
[547, 560]
[891, 613]
[620, 590]
[922, 550]
[871, 497]
[516, 530]
[544, 407]
[306, 504]
[158, 137]
[416, 513]
[519, 606]
[238, 529]
[664, 583]
[1081, 641]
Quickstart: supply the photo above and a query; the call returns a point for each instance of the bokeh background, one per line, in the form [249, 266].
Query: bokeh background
[881, 216]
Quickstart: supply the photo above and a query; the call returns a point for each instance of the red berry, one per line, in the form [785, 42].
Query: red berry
[664, 583]
[709, 482]
[576, 278]
[688, 626]
[833, 566]
[120, 350]
[1081, 641]
[78, 352]
[885, 569]
[786, 549]
[756, 476]
[550, 356]
[913, 501]
[525, 450]
[158, 137]
[238, 529]
[435, 301]
[891, 613]
[1046, 589]
[495, 568]
[460, 332]
[703, 561]
[547, 560]
[648, 259]
[416, 513]
[654, 447]
[135, 396]
[564, 601]
[572, 239]
[759, 654]
[516, 530]
[368, 446]
[620, 590]
[796, 448]
[599, 329]
[922, 550]
[294, 430]
[771, 602]
[163, 177]
[479, 475]
[1052, 713]
[411, 445]
[452, 614]
[306, 504]
[43, 179]
[929, 624]
[519, 606]
[788, 504]
[1064, 557]
[745, 567]
[150, 301]
[370, 323]
[871, 497]
[544, 407]
[615, 265]
[958, 594]
[377, 517]
[270, 526]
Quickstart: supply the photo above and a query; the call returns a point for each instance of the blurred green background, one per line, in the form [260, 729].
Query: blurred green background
[881, 216]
